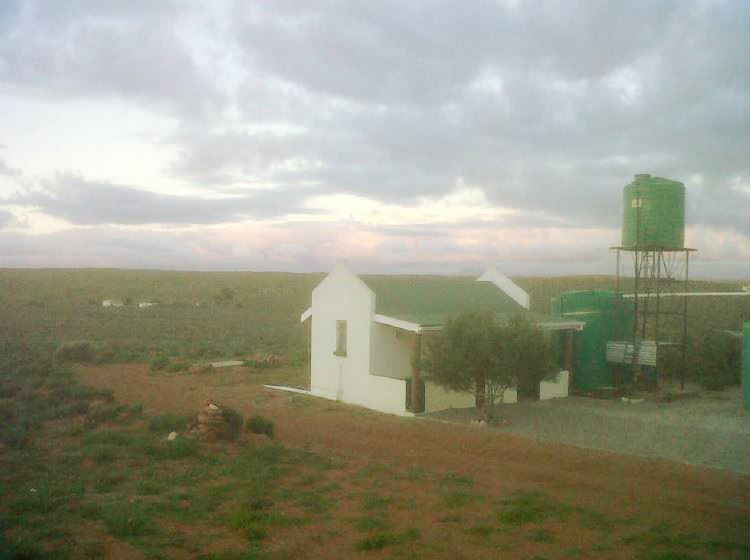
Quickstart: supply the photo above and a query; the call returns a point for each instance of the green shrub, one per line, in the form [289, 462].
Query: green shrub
[159, 362]
[382, 540]
[8, 388]
[717, 363]
[175, 367]
[103, 413]
[77, 351]
[177, 449]
[166, 423]
[234, 422]
[128, 520]
[7, 410]
[529, 507]
[15, 436]
[259, 425]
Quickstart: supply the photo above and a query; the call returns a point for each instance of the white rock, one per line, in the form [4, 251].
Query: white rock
[172, 436]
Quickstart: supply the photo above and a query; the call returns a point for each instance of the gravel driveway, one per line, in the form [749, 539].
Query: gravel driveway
[707, 429]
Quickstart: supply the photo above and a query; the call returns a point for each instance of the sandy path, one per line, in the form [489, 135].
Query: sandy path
[691, 498]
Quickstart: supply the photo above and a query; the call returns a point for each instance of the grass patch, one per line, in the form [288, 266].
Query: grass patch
[312, 501]
[106, 482]
[529, 507]
[368, 523]
[166, 423]
[455, 500]
[372, 501]
[180, 448]
[663, 537]
[128, 520]
[374, 470]
[382, 540]
[148, 488]
[260, 425]
[542, 536]
[480, 530]
[457, 480]
[256, 516]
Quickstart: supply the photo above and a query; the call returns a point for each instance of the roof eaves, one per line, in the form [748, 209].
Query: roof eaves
[306, 314]
[396, 323]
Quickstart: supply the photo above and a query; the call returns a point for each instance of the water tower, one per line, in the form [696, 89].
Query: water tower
[653, 236]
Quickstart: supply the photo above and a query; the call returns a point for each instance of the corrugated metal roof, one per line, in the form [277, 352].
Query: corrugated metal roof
[431, 300]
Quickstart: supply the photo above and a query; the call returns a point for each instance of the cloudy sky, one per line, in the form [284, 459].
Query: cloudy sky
[401, 136]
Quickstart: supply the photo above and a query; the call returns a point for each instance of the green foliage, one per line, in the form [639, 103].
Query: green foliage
[234, 421]
[103, 413]
[717, 363]
[127, 520]
[462, 353]
[474, 352]
[159, 362]
[179, 448]
[457, 480]
[260, 425]
[78, 351]
[177, 366]
[529, 507]
[369, 523]
[382, 540]
[166, 423]
[457, 499]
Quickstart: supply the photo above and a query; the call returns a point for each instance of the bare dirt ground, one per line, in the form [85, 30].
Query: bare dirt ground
[690, 497]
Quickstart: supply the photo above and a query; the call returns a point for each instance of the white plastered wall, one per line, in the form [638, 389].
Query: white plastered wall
[343, 296]
[555, 388]
[438, 398]
[391, 351]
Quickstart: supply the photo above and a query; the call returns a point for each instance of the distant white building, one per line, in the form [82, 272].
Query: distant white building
[146, 304]
[112, 303]
[366, 334]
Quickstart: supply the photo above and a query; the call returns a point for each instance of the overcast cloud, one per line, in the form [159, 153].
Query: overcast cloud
[464, 129]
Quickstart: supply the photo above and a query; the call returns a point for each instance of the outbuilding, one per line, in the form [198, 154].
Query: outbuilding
[366, 333]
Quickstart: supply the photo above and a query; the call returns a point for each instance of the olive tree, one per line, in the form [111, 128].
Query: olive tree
[474, 353]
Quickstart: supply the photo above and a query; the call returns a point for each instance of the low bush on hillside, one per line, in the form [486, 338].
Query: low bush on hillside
[159, 362]
[717, 363]
[234, 423]
[166, 423]
[78, 351]
[260, 425]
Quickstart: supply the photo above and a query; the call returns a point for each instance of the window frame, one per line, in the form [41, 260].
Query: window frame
[340, 348]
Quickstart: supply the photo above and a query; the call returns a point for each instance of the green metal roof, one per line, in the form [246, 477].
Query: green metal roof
[430, 300]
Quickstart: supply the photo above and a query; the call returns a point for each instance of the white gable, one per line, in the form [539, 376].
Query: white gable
[506, 285]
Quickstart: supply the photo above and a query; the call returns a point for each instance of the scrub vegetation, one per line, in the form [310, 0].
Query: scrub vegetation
[87, 475]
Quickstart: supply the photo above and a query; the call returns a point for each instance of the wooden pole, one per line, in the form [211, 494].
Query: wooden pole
[569, 356]
[415, 396]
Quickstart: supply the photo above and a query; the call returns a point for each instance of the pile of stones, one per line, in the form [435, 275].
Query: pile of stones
[216, 423]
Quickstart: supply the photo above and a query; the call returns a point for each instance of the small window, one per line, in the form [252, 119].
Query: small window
[341, 338]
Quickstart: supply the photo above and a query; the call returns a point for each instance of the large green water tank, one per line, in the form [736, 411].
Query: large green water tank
[607, 316]
[654, 213]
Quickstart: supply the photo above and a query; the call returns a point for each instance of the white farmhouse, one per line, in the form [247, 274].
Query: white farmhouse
[112, 303]
[366, 332]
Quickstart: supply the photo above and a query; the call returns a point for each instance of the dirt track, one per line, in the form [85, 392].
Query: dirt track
[692, 498]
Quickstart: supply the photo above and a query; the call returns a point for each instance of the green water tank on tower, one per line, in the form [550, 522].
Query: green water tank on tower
[607, 316]
[654, 213]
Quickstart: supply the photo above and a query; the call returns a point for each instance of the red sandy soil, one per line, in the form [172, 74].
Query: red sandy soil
[693, 499]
